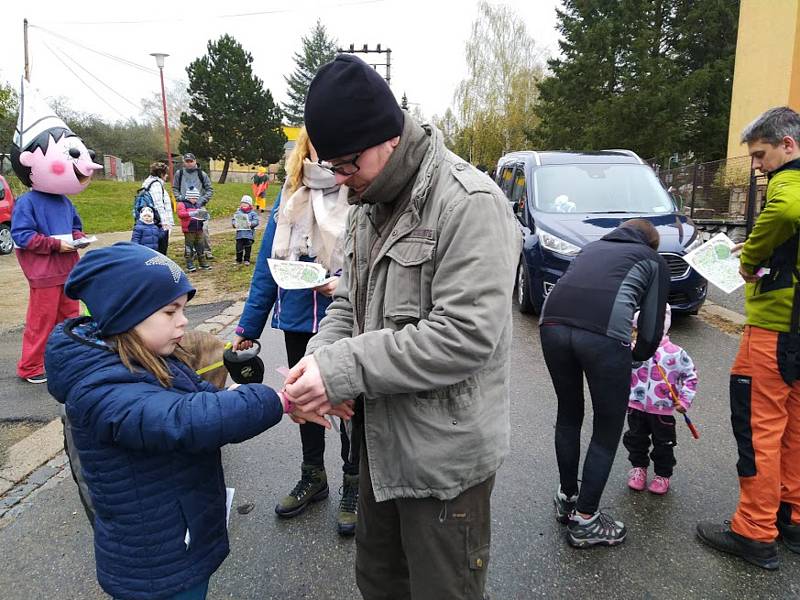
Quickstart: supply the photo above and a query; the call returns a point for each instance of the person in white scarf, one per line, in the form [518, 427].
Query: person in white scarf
[309, 222]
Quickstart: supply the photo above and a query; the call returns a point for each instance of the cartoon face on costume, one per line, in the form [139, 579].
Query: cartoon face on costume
[64, 167]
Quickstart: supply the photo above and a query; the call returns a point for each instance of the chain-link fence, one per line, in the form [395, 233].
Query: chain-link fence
[715, 192]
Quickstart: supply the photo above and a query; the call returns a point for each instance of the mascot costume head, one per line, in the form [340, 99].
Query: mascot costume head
[46, 155]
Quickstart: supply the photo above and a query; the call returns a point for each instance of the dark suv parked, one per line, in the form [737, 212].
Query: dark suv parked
[565, 200]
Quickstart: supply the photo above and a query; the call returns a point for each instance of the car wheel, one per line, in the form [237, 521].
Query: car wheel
[524, 300]
[6, 243]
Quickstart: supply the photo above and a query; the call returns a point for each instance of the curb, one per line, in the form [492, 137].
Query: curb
[36, 459]
[28, 454]
[725, 313]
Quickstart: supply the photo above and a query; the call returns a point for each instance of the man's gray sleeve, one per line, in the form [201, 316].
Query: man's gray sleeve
[476, 256]
[208, 190]
[176, 184]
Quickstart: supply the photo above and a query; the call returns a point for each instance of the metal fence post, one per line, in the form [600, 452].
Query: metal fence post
[751, 203]
[694, 190]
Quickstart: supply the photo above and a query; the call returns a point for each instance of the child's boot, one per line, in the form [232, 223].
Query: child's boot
[312, 487]
[637, 478]
[659, 485]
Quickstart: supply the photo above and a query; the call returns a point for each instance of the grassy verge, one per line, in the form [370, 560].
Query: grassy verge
[226, 277]
[106, 205]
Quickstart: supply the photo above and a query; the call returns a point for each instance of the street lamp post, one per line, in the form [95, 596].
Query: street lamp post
[160, 62]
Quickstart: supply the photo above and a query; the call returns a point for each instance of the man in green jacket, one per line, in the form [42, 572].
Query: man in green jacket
[419, 334]
[765, 384]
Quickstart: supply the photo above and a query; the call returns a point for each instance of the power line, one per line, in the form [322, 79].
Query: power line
[212, 17]
[100, 81]
[78, 77]
[124, 61]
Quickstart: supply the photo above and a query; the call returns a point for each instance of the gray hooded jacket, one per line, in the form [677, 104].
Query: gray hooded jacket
[420, 324]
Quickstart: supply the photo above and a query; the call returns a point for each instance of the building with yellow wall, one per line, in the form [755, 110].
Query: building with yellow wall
[244, 173]
[767, 69]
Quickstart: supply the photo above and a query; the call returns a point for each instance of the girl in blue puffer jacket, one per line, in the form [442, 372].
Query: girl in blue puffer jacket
[147, 429]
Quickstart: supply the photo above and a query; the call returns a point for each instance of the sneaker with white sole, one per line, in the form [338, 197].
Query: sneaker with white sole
[564, 506]
[598, 530]
[40, 378]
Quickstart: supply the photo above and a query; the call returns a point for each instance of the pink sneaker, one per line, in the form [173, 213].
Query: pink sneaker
[637, 478]
[659, 485]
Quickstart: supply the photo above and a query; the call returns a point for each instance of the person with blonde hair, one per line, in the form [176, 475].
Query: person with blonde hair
[147, 429]
[307, 223]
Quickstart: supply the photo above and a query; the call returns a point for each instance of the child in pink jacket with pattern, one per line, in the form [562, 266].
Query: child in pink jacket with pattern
[650, 419]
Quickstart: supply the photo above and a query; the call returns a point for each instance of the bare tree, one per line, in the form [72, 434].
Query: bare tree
[177, 103]
[495, 102]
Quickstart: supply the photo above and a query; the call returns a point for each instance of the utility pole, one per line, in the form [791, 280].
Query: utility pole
[365, 49]
[159, 56]
[27, 63]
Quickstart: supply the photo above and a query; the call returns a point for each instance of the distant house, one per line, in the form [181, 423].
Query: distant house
[244, 173]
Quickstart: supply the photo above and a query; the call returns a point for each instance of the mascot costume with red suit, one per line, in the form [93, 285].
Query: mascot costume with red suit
[49, 158]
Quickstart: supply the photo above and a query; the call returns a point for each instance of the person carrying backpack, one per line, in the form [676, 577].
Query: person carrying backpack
[160, 202]
[192, 176]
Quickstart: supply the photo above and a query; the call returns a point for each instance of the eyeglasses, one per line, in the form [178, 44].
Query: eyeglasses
[345, 167]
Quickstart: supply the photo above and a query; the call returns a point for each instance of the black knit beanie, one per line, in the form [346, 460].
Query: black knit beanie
[350, 108]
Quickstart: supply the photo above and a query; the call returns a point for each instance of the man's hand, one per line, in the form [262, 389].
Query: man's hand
[329, 288]
[301, 417]
[746, 275]
[304, 385]
[66, 247]
[240, 343]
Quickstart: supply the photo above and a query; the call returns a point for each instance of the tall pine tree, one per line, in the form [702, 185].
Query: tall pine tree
[651, 75]
[232, 116]
[318, 49]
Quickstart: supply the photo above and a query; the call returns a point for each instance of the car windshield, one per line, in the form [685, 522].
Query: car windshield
[600, 188]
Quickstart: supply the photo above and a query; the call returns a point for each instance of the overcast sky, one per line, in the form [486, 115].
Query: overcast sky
[427, 39]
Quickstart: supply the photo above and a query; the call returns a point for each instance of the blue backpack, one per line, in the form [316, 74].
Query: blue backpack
[144, 199]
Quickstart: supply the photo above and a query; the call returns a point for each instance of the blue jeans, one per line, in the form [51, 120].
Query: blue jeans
[198, 592]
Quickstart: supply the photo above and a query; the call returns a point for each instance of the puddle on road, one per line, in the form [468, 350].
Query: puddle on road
[12, 432]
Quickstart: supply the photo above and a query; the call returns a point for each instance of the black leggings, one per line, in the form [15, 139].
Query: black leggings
[570, 353]
[312, 436]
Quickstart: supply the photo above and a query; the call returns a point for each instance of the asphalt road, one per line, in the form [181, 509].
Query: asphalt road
[20, 400]
[48, 549]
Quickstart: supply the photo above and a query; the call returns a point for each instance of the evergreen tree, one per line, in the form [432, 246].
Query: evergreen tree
[318, 49]
[651, 75]
[232, 116]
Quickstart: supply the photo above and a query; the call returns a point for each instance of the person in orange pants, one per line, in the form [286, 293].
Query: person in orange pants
[765, 378]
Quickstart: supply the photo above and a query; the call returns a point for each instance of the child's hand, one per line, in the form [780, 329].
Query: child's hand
[680, 408]
[66, 247]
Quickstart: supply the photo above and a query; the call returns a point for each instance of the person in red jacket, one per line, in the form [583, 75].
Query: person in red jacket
[48, 157]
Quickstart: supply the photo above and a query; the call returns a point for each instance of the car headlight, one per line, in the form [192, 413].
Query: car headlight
[698, 241]
[557, 245]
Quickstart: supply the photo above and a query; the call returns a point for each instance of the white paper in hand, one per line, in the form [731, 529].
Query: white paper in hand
[714, 261]
[297, 275]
